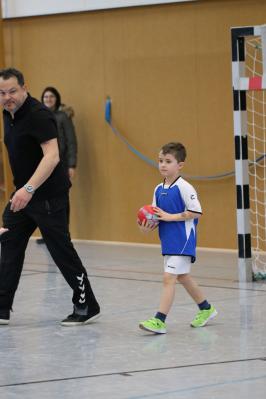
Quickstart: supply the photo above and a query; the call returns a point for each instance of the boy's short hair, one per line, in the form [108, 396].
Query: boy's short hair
[176, 149]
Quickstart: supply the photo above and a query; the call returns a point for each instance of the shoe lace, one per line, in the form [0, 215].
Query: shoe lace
[199, 315]
[156, 322]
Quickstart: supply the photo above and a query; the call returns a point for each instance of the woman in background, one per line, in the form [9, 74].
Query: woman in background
[67, 140]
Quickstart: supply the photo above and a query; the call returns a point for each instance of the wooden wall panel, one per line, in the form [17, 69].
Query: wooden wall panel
[168, 72]
[6, 184]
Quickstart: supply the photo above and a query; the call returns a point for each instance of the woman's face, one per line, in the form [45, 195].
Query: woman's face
[49, 100]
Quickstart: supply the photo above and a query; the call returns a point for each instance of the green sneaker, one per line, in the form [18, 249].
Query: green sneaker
[154, 325]
[203, 316]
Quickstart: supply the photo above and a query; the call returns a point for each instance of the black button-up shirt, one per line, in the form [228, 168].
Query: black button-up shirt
[32, 125]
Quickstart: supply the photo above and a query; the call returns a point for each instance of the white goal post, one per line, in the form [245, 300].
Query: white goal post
[249, 100]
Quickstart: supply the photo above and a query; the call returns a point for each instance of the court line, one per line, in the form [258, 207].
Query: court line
[142, 280]
[198, 387]
[100, 268]
[131, 372]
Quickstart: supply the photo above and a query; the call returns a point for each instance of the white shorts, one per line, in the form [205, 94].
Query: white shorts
[177, 264]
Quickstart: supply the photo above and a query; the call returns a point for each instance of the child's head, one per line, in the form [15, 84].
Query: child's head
[176, 149]
[171, 160]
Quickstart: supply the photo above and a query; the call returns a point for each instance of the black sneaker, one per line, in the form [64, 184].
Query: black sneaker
[75, 319]
[4, 317]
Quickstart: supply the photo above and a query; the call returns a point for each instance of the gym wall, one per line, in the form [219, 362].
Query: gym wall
[167, 70]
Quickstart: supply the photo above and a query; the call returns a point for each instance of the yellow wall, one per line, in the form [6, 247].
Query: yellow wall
[168, 71]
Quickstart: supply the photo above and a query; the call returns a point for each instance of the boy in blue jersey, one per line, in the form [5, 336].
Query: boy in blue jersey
[178, 210]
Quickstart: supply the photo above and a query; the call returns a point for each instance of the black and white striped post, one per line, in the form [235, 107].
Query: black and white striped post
[241, 154]
[241, 84]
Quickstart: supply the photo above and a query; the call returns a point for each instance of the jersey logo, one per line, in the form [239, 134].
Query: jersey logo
[193, 196]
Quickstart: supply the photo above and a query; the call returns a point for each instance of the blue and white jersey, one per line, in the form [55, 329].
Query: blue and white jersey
[177, 238]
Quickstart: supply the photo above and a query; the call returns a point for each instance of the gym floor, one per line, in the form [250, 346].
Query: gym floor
[112, 358]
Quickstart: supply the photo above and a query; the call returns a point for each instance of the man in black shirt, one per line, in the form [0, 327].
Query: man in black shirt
[40, 199]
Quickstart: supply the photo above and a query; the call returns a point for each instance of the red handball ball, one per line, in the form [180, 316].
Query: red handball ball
[147, 213]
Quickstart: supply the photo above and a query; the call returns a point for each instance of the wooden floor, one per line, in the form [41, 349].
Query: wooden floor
[112, 358]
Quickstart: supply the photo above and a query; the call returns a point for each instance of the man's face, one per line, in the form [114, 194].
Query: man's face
[12, 95]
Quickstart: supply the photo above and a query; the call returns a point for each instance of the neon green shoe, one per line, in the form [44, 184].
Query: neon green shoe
[203, 316]
[153, 325]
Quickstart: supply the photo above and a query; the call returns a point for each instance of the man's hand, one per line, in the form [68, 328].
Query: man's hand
[3, 230]
[20, 200]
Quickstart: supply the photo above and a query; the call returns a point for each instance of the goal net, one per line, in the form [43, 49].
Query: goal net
[256, 132]
[250, 131]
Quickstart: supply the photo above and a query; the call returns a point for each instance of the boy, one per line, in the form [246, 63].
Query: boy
[178, 210]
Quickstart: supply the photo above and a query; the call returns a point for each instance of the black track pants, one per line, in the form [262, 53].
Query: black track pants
[51, 218]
